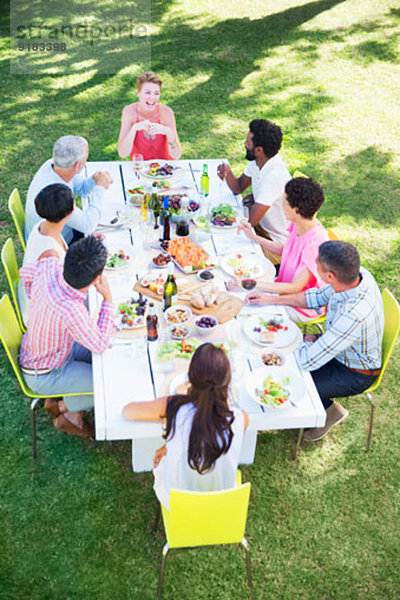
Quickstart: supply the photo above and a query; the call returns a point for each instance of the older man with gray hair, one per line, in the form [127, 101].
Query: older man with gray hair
[70, 154]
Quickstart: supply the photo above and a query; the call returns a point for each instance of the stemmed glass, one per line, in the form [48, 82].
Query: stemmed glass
[225, 163]
[137, 163]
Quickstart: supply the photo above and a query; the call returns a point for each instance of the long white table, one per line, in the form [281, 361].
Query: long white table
[128, 372]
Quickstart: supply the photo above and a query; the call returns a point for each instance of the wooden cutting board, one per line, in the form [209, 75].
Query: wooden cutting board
[224, 311]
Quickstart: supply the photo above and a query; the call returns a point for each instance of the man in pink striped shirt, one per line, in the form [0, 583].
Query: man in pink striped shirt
[55, 354]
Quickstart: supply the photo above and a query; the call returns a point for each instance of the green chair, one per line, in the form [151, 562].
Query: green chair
[10, 265]
[298, 173]
[18, 214]
[205, 519]
[391, 330]
[390, 334]
[10, 336]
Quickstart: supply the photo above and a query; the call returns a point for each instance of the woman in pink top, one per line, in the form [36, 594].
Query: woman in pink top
[303, 197]
[148, 127]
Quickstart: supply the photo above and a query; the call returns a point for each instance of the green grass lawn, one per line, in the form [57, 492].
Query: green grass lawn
[77, 522]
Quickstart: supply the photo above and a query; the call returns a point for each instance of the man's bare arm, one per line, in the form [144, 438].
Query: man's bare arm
[257, 211]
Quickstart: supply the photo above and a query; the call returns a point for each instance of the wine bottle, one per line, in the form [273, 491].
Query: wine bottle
[205, 182]
[170, 295]
[152, 323]
[166, 221]
[155, 207]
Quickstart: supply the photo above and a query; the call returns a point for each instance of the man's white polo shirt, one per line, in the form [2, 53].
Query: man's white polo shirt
[268, 185]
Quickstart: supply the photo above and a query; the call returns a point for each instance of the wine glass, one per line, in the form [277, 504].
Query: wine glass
[225, 163]
[137, 160]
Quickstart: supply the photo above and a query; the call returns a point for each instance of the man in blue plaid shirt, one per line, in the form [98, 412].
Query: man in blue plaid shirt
[347, 358]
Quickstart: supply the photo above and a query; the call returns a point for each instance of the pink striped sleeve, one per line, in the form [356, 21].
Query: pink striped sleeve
[93, 336]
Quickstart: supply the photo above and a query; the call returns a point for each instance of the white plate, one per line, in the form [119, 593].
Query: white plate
[224, 227]
[124, 265]
[177, 381]
[258, 265]
[145, 173]
[110, 212]
[282, 338]
[296, 386]
[141, 322]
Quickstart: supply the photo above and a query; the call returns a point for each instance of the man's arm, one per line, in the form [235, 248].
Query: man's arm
[83, 186]
[345, 332]
[84, 330]
[256, 213]
[297, 300]
[93, 336]
[312, 298]
[236, 184]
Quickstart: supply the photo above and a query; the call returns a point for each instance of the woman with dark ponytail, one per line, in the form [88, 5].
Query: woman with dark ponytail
[203, 434]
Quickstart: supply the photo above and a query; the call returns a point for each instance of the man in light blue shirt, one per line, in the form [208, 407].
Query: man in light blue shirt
[70, 154]
[347, 358]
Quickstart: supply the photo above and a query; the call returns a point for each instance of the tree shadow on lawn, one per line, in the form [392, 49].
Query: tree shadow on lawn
[362, 186]
[227, 50]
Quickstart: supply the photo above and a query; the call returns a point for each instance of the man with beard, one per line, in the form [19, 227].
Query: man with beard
[268, 175]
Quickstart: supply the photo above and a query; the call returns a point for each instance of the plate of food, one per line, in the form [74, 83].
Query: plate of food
[271, 357]
[117, 260]
[159, 170]
[188, 256]
[178, 349]
[161, 260]
[175, 204]
[223, 217]
[136, 195]
[237, 264]
[180, 331]
[178, 314]
[131, 313]
[275, 388]
[271, 330]
[154, 281]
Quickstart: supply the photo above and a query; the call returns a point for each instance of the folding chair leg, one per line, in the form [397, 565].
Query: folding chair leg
[299, 438]
[162, 570]
[248, 566]
[157, 517]
[33, 414]
[371, 421]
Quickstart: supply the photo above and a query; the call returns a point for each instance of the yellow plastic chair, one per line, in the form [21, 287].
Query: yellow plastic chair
[205, 519]
[390, 334]
[10, 265]
[298, 173]
[10, 336]
[18, 214]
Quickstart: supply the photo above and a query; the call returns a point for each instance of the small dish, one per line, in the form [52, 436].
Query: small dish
[272, 358]
[179, 331]
[178, 314]
[206, 324]
[205, 275]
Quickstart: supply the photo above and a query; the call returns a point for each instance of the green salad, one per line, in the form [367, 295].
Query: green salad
[274, 393]
[223, 215]
[117, 260]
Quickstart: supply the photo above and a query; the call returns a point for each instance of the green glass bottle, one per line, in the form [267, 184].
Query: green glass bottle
[205, 182]
[170, 295]
[155, 206]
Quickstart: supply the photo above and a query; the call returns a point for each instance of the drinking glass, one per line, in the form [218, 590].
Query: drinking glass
[222, 181]
[137, 163]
